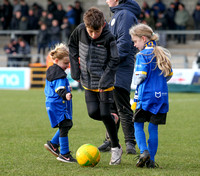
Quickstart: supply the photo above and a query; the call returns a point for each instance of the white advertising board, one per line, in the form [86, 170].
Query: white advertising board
[14, 78]
[182, 77]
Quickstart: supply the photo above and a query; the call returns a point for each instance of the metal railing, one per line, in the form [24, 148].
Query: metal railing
[13, 33]
[20, 63]
[186, 32]
[179, 61]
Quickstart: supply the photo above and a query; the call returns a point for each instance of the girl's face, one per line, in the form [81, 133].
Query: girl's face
[63, 63]
[139, 42]
[112, 3]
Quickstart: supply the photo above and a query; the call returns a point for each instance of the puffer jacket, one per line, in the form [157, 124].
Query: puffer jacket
[98, 58]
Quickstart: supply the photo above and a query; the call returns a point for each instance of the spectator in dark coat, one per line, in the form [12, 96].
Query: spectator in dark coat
[10, 49]
[54, 33]
[24, 7]
[66, 30]
[160, 25]
[196, 17]
[49, 20]
[170, 15]
[19, 22]
[42, 39]
[37, 9]
[43, 19]
[23, 25]
[24, 47]
[78, 10]
[59, 13]
[16, 19]
[51, 7]
[32, 20]
[7, 11]
[24, 50]
[32, 25]
[157, 7]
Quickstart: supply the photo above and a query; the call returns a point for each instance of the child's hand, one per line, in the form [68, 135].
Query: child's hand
[133, 106]
[68, 96]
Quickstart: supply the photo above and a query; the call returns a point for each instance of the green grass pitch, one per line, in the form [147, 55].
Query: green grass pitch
[25, 128]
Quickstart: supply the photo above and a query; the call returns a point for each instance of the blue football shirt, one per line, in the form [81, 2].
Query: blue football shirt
[152, 91]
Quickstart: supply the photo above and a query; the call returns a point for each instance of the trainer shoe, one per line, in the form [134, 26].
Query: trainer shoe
[143, 158]
[105, 147]
[67, 158]
[130, 148]
[151, 164]
[53, 148]
[116, 154]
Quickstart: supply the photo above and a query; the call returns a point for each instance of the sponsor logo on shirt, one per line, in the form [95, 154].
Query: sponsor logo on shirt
[159, 94]
[112, 22]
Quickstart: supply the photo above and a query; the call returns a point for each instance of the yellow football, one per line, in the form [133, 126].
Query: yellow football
[88, 155]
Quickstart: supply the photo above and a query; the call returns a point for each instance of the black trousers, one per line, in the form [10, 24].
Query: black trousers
[98, 106]
[122, 101]
[64, 127]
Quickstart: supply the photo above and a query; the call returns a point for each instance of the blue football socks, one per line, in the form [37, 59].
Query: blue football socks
[140, 136]
[64, 145]
[55, 139]
[153, 140]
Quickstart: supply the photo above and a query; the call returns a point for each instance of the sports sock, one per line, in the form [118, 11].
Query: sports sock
[153, 140]
[140, 136]
[64, 145]
[55, 139]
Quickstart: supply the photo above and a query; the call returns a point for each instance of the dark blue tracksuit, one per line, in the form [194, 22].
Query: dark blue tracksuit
[125, 16]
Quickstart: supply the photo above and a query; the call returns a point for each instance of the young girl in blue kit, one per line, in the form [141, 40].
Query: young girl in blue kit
[152, 71]
[59, 103]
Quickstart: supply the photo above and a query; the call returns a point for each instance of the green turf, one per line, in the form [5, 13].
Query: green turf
[25, 128]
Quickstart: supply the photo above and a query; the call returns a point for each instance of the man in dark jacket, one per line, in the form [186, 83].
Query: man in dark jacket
[125, 16]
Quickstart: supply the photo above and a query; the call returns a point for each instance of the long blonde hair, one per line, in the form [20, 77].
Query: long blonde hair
[60, 51]
[162, 54]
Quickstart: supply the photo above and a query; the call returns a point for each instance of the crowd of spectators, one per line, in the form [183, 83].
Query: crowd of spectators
[53, 23]
[173, 17]
[18, 51]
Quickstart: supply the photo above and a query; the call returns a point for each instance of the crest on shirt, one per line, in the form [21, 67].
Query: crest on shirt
[157, 94]
[112, 22]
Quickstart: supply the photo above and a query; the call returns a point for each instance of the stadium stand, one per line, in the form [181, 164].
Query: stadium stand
[183, 54]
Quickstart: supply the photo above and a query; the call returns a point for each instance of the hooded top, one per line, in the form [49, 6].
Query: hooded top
[56, 88]
[125, 16]
[55, 72]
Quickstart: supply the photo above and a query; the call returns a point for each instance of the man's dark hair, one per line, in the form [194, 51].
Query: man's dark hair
[93, 18]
